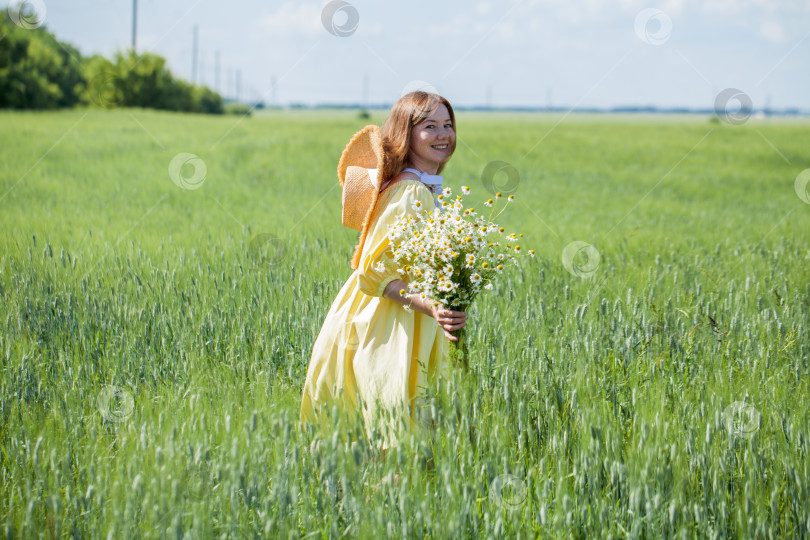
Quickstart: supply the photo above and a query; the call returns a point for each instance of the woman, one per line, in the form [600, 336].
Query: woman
[378, 347]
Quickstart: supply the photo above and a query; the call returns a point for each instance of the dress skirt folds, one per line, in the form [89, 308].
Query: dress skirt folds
[371, 353]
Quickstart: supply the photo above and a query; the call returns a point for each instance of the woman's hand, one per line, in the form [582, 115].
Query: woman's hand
[449, 320]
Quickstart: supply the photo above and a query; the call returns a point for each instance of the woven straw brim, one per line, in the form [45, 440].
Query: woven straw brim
[358, 196]
[364, 150]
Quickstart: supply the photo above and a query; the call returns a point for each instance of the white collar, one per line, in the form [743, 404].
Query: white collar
[432, 181]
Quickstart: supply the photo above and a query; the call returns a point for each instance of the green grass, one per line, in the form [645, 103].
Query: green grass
[606, 399]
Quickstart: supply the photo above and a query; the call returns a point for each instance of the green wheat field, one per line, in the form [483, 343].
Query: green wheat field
[156, 333]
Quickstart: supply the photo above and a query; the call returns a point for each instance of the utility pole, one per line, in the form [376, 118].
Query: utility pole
[365, 91]
[194, 57]
[134, 22]
[216, 72]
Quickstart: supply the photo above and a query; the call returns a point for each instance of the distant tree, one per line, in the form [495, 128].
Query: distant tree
[36, 70]
[39, 72]
[208, 101]
[132, 80]
[104, 86]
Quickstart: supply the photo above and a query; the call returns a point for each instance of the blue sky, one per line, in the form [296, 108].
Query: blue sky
[584, 53]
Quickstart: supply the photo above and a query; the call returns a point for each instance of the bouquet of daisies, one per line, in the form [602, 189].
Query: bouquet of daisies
[452, 253]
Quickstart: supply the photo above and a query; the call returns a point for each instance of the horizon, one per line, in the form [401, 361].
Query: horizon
[630, 109]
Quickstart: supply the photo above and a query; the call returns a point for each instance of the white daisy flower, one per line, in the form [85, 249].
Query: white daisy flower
[475, 278]
[447, 191]
[465, 190]
[488, 286]
[417, 205]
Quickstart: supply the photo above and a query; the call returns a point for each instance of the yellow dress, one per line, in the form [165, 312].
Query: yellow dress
[371, 352]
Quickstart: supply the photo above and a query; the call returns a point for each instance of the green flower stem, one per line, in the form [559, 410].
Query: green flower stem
[459, 353]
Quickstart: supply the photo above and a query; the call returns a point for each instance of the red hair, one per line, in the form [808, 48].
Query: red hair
[410, 110]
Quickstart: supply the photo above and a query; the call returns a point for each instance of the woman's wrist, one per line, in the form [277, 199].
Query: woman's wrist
[394, 292]
[448, 320]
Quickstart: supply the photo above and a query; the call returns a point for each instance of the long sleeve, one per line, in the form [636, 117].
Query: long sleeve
[377, 267]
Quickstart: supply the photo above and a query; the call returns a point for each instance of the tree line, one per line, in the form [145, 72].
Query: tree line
[37, 71]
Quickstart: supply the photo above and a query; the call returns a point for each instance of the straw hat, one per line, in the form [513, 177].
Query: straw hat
[357, 171]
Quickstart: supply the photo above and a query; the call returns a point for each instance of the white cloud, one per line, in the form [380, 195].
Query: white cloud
[673, 8]
[483, 8]
[772, 31]
[299, 19]
[723, 7]
[294, 18]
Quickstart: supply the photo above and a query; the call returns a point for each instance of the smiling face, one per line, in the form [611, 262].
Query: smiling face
[433, 141]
